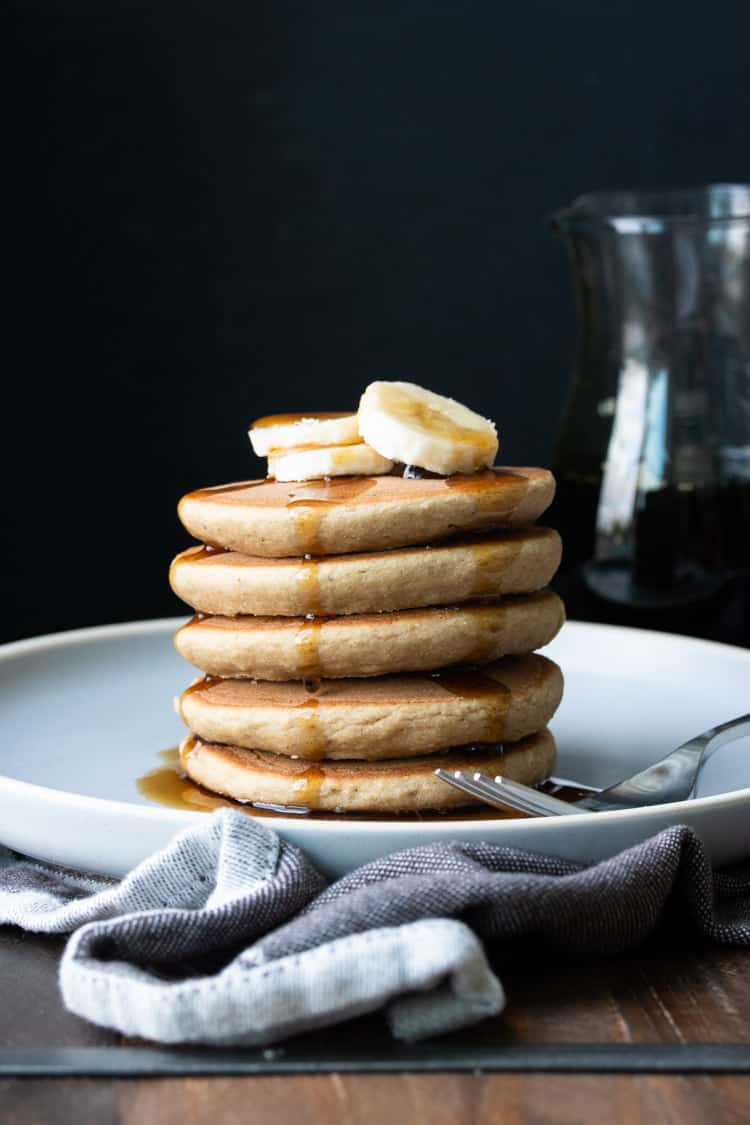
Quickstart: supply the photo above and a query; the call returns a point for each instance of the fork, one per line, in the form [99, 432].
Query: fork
[672, 778]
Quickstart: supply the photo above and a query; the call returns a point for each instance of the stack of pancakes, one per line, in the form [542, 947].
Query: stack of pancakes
[359, 632]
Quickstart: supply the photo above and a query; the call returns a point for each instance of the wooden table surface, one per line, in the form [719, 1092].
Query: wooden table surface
[661, 995]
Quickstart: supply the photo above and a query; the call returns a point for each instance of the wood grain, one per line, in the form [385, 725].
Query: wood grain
[660, 995]
[443, 1099]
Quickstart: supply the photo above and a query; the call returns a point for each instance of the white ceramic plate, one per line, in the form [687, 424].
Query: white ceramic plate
[84, 714]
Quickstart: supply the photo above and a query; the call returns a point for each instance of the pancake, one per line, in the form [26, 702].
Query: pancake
[272, 519]
[383, 717]
[398, 785]
[288, 648]
[506, 562]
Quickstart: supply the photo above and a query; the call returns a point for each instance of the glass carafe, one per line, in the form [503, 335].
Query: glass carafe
[653, 459]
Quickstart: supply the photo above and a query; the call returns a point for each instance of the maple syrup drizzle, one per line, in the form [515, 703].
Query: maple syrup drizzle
[308, 785]
[335, 454]
[307, 514]
[493, 696]
[291, 419]
[167, 785]
[203, 684]
[309, 501]
[491, 482]
[307, 642]
[219, 489]
[486, 480]
[207, 551]
[485, 647]
[194, 620]
[199, 555]
[490, 564]
[472, 685]
[308, 731]
[308, 584]
[497, 493]
[463, 683]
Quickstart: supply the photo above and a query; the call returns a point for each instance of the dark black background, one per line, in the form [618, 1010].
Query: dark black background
[221, 210]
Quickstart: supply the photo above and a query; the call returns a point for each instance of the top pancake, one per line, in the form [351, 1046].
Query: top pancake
[271, 519]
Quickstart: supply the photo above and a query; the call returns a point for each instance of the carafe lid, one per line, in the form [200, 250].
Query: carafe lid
[650, 212]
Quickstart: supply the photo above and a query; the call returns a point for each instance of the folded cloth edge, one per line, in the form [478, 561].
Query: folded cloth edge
[437, 967]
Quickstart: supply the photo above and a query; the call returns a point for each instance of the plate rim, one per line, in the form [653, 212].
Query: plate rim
[157, 625]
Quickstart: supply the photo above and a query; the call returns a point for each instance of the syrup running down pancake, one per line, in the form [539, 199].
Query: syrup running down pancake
[380, 717]
[273, 519]
[397, 785]
[478, 566]
[293, 648]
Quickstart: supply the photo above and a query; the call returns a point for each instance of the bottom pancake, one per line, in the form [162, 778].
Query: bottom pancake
[393, 786]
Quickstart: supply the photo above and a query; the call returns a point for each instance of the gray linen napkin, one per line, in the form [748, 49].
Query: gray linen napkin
[230, 936]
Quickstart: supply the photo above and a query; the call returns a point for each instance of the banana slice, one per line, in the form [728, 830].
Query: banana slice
[410, 424]
[287, 431]
[335, 461]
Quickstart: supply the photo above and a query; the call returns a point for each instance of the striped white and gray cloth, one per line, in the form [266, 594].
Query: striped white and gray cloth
[230, 936]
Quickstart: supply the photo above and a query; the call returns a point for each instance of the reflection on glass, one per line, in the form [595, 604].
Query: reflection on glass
[655, 444]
